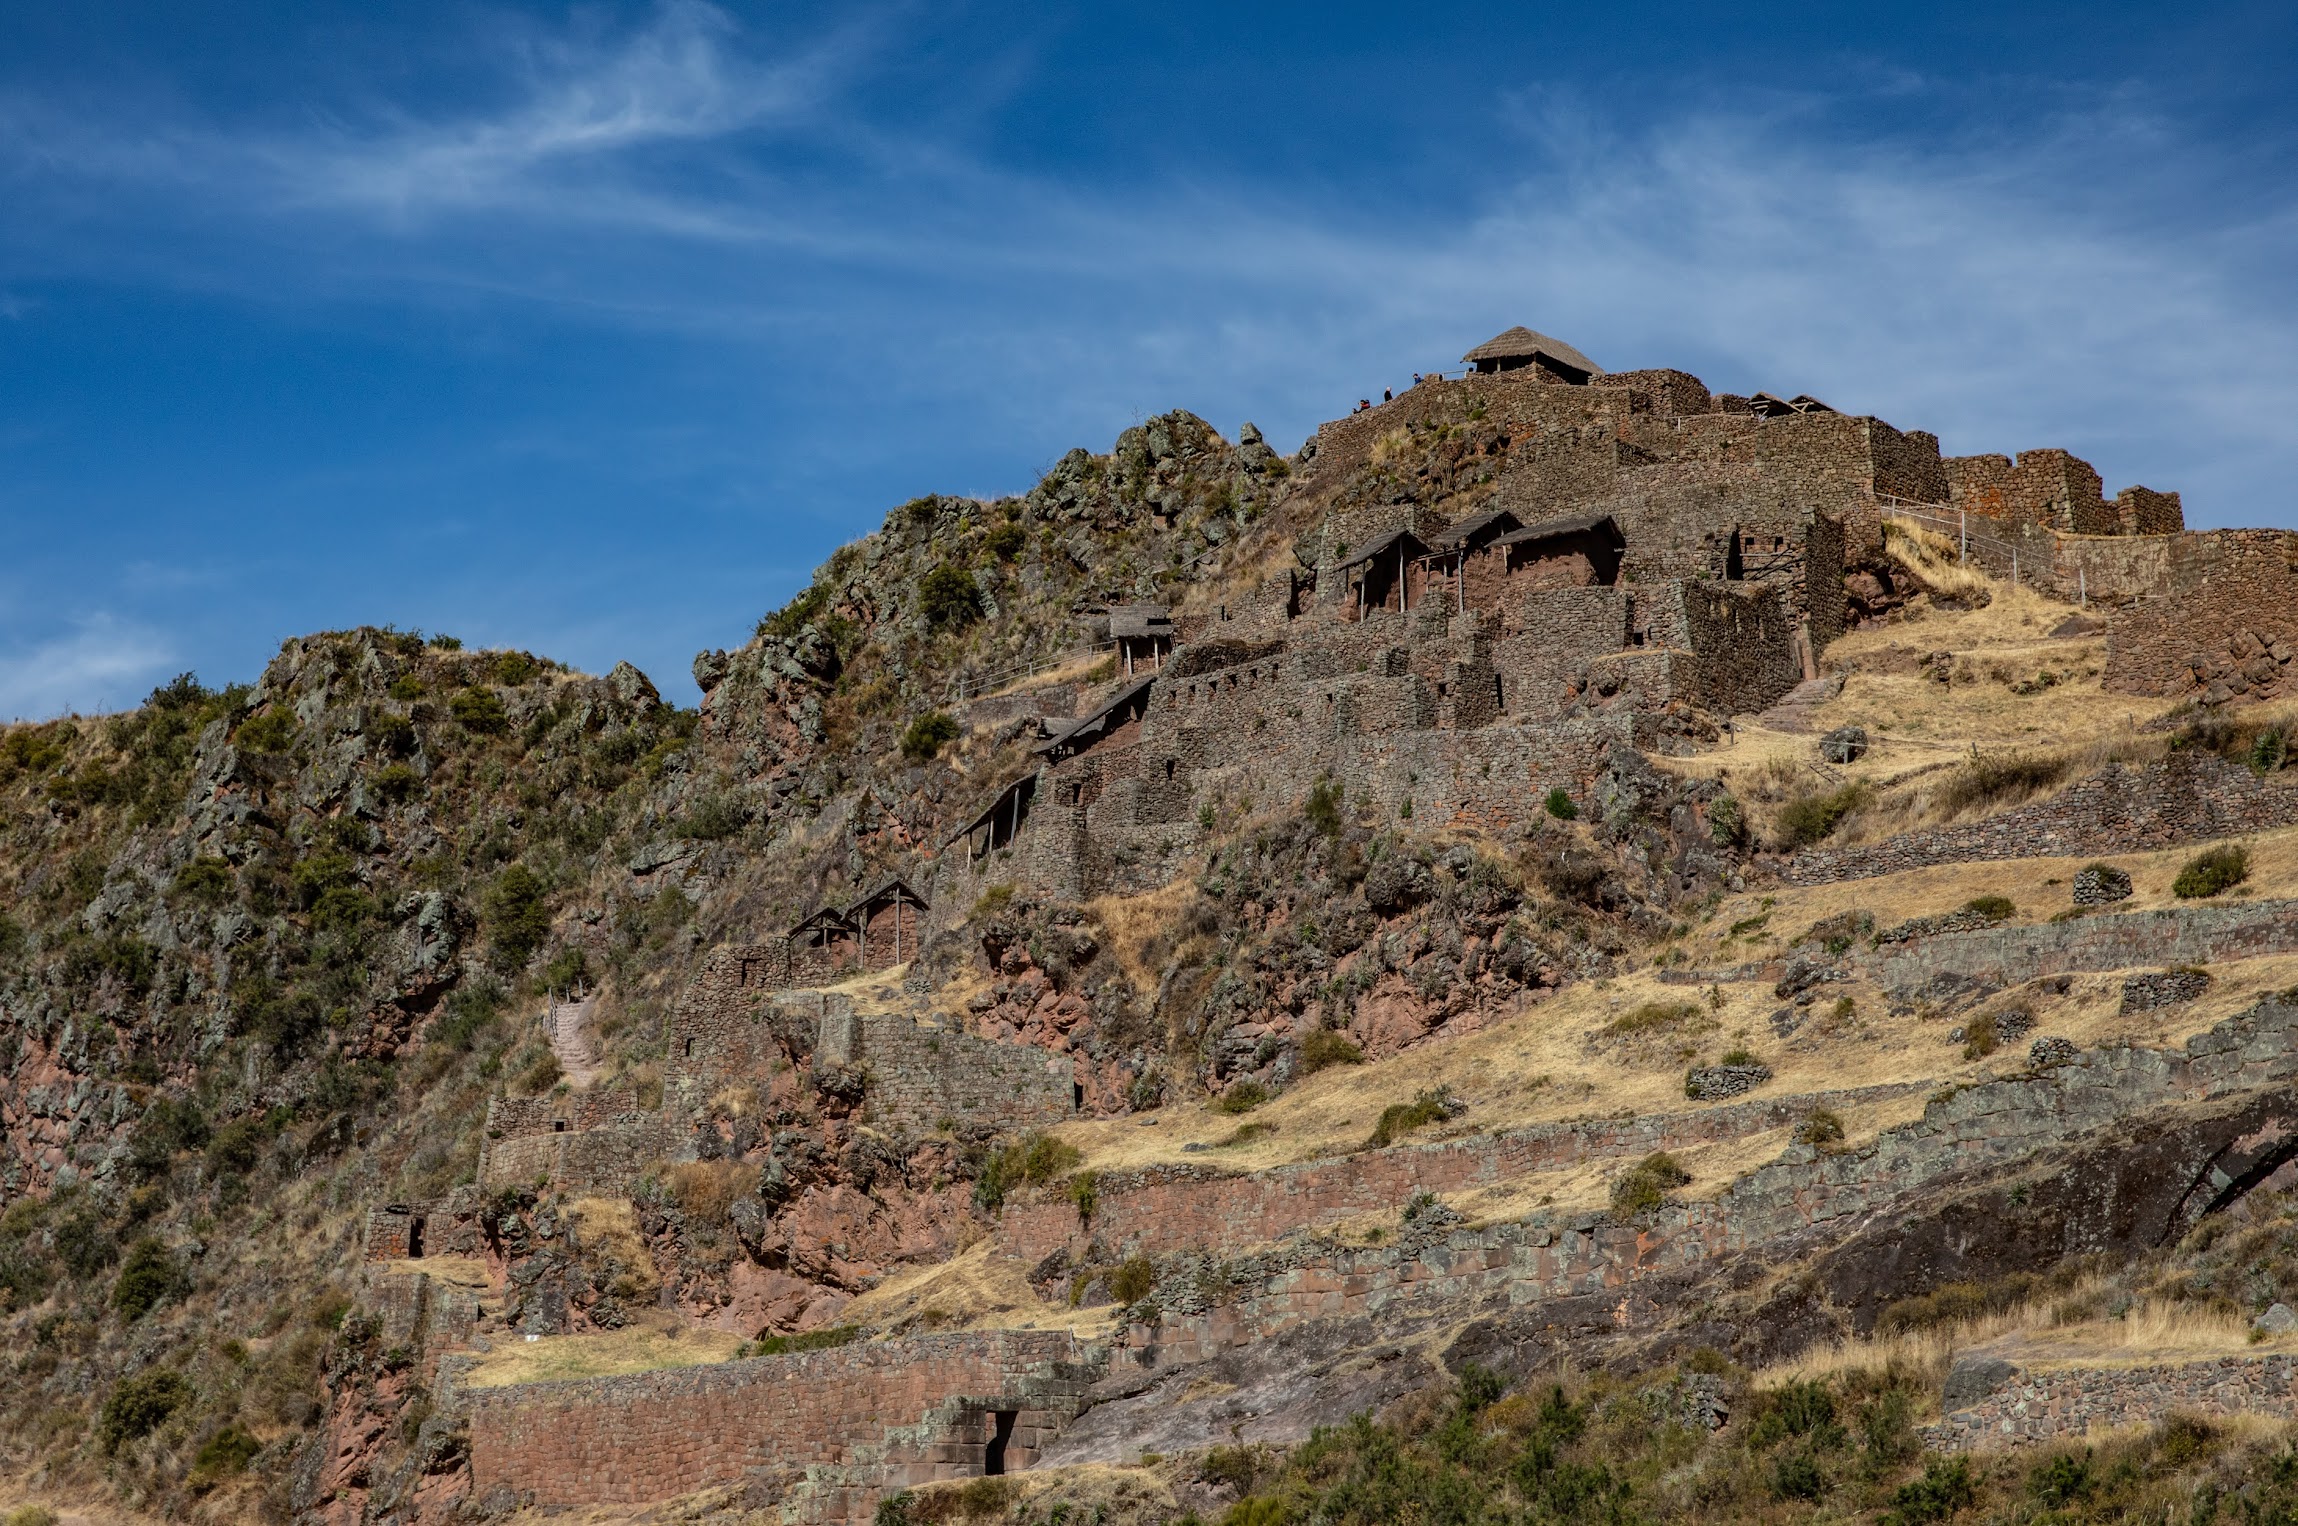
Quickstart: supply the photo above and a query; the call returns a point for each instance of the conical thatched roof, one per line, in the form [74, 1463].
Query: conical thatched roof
[1520, 343]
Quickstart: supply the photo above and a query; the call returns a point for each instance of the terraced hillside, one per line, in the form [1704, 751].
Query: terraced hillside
[1556, 953]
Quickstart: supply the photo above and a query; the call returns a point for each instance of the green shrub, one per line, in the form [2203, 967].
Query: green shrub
[1821, 1129]
[237, 1146]
[30, 1515]
[1809, 818]
[2061, 1480]
[1999, 781]
[928, 735]
[1741, 1056]
[1796, 1476]
[2270, 751]
[1995, 908]
[140, 1405]
[148, 1278]
[948, 598]
[1322, 810]
[1980, 1037]
[1651, 1016]
[1133, 1280]
[812, 1340]
[446, 643]
[513, 668]
[1727, 822]
[1005, 542]
[1244, 1134]
[717, 815]
[1085, 1195]
[1035, 1160]
[1560, 805]
[1242, 1097]
[228, 1451]
[2212, 872]
[394, 735]
[1328, 1046]
[1401, 1118]
[396, 782]
[479, 712]
[206, 880]
[1945, 1487]
[517, 916]
[1645, 1185]
[272, 731]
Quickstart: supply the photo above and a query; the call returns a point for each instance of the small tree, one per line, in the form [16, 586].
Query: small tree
[518, 917]
[928, 735]
[1560, 805]
[948, 598]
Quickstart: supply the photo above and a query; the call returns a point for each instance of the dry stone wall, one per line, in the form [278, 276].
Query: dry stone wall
[1163, 1208]
[1998, 957]
[2187, 797]
[838, 1428]
[2052, 1404]
[2224, 622]
[1503, 1267]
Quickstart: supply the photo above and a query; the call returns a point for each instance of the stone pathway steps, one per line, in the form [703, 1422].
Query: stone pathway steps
[566, 1022]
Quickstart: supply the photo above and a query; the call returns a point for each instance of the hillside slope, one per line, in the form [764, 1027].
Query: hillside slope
[437, 1083]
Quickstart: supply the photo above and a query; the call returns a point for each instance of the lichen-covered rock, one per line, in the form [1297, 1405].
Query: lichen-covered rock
[2163, 988]
[1714, 1083]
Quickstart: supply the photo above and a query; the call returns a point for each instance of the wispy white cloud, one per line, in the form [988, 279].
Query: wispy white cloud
[102, 662]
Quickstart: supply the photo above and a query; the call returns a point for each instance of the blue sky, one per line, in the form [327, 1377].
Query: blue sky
[593, 329]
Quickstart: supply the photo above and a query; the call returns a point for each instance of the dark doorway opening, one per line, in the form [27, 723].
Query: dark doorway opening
[415, 1238]
[993, 1457]
[558, 1125]
[1077, 1096]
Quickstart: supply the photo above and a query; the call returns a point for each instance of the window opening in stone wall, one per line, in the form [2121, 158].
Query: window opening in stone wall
[1077, 1096]
[690, 1049]
[993, 1456]
[558, 1125]
[415, 1238]
[1170, 765]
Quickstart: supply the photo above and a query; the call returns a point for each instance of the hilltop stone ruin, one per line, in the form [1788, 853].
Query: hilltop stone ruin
[1625, 563]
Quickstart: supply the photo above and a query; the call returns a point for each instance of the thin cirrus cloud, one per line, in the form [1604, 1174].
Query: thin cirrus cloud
[2079, 276]
[100, 657]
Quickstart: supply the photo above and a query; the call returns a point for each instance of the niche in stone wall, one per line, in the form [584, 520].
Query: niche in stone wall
[993, 1455]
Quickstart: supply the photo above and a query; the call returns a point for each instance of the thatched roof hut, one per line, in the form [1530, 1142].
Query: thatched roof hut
[1521, 347]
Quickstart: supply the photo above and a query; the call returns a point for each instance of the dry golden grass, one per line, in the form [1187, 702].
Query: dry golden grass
[977, 1289]
[706, 1189]
[1933, 558]
[1543, 1063]
[2040, 887]
[1131, 925]
[455, 1271]
[644, 1347]
[611, 1225]
[2028, 1335]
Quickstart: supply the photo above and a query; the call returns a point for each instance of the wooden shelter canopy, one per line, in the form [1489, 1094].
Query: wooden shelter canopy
[1138, 620]
[1022, 787]
[1778, 408]
[1112, 713]
[828, 919]
[1523, 346]
[1575, 524]
[1474, 530]
[1388, 545]
[892, 893]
